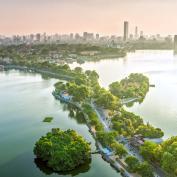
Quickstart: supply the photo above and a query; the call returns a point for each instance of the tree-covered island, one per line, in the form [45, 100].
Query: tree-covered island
[63, 150]
[134, 86]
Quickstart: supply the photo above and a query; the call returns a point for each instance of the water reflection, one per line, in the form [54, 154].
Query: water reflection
[48, 171]
[74, 113]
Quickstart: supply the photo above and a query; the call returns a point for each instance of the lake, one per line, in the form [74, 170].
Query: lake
[25, 99]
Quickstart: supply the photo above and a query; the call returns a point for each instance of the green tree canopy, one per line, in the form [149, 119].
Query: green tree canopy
[132, 163]
[63, 150]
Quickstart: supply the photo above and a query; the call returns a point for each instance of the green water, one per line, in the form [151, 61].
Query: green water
[25, 99]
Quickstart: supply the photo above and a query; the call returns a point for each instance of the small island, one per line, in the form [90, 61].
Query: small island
[48, 119]
[136, 85]
[63, 150]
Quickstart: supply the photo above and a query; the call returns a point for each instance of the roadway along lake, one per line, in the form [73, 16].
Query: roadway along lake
[160, 105]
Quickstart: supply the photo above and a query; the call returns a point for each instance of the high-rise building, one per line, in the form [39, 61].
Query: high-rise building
[97, 36]
[136, 32]
[88, 36]
[126, 25]
[38, 37]
[85, 34]
[175, 42]
[31, 37]
[141, 34]
[77, 36]
[71, 36]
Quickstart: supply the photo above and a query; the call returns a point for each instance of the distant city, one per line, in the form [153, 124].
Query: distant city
[86, 37]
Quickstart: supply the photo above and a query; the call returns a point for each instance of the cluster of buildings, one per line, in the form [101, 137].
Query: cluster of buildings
[139, 35]
[86, 37]
[58, 38]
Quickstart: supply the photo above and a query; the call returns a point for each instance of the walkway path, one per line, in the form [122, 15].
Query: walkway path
[158, 172]
[128, 100]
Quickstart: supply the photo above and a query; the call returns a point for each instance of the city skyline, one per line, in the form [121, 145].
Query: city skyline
[98, 16]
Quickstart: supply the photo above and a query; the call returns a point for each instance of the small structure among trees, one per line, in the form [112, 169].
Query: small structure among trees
[137, 140]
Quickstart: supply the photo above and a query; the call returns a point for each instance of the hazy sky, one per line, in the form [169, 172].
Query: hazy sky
[103, 16]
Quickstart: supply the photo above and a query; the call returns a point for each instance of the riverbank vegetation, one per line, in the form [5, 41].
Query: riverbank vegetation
[164, 154]
[135, 166]
[93, 118]
[129, 124]
[63, 150]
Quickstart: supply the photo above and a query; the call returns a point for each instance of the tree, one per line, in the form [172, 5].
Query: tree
[78, 70]
[149, 131]
[147, 150]
[106, 138]
[132, 163]
[107, 100]
[63, 150]
[169, 163]
[119, 149]
[66, 66]
[145, 170]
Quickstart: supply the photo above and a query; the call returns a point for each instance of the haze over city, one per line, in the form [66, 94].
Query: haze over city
[98, 16]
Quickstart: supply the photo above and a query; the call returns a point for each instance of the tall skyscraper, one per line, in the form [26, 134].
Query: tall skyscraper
[126, 25]
[141, 34]
[38, 37]
[136, 32]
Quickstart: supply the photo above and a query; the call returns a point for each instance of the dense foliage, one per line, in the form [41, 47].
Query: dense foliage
[132, 163]
[128, 124]
[106, 138]
[62, 150]
[149, 131]
[105, 99]
[82, 87]
[134, 86]
[119, 149]
[134, 166]
[165, 154]
[93, 118]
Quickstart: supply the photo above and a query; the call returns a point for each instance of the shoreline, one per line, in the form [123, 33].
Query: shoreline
[39, 71]
[116, 165]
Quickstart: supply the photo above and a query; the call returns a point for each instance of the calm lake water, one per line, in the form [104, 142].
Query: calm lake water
[25, 99]
[160, 105]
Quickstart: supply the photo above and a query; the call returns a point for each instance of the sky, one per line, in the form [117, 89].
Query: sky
[98, 16]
